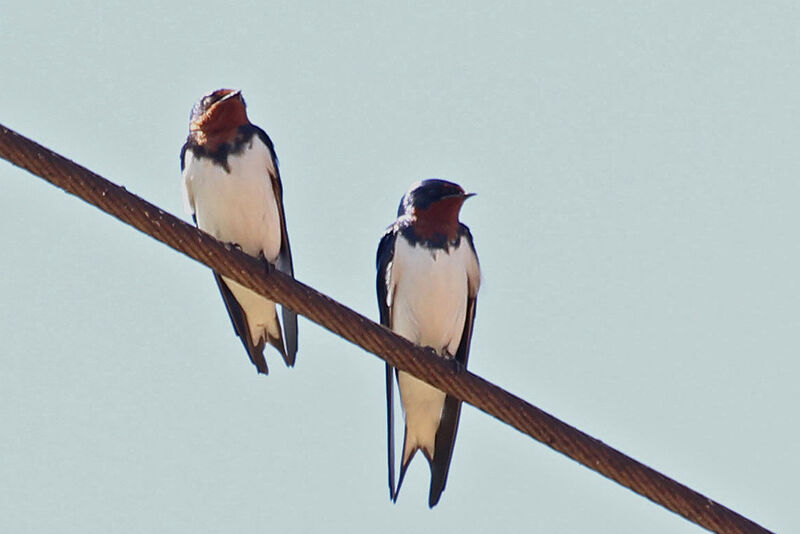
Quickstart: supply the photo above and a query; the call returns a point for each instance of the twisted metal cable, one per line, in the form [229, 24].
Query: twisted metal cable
[372, 337]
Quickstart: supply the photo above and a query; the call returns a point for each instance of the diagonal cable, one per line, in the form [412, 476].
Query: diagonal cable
[372, 337]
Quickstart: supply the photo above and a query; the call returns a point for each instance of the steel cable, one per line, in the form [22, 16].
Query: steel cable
[370, 336]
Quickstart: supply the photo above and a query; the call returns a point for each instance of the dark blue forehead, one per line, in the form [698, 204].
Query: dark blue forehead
[423, 194]
[202, 105]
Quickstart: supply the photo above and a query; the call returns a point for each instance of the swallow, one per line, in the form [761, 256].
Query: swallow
[427, 284]
[232, 188]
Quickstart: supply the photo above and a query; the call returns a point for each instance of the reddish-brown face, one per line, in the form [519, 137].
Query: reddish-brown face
[441, 218]
[216, 118]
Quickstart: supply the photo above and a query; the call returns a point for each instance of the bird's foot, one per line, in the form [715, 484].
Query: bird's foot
[268, 267]
[432, 351]
[458, 367]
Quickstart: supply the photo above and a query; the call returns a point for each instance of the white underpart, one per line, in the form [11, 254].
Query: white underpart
[239, 207]
[428, 297]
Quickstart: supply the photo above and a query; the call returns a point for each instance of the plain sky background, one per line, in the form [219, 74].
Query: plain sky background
[637, 223]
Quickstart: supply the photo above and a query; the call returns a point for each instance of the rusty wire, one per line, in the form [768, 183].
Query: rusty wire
[372, 337]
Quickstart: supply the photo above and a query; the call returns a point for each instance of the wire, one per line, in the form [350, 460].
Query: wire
[370, 336]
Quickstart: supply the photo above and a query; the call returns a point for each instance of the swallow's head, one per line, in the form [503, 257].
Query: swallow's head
[433, 205]
[217, 116]
[421, 196]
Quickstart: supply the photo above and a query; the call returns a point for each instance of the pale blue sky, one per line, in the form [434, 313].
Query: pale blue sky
[637, 222]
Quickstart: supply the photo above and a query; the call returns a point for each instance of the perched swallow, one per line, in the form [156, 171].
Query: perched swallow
[232, 188]
[428, 279]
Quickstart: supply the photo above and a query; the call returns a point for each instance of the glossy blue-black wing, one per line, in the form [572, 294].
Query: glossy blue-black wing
[384, 261]
[284, 261]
